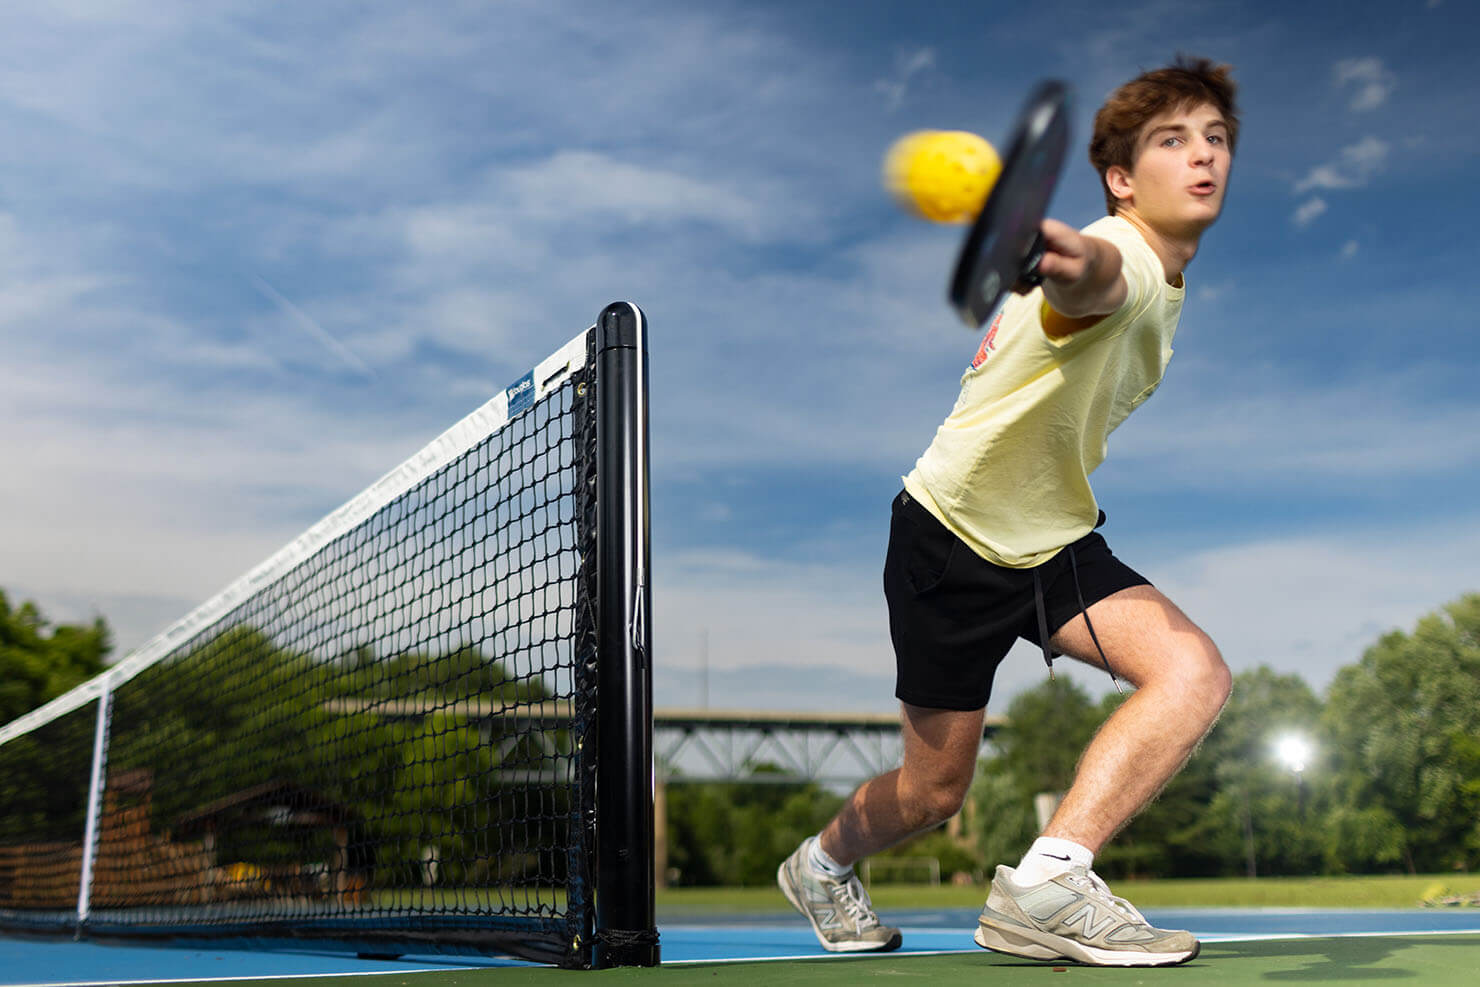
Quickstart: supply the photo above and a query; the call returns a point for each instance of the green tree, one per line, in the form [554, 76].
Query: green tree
[1152, 843]
[1198, 824]
[44, 775]
[1047, 728]
[999, 819]
[1401, 725]
[737, 833]
[235, 712]
[39, 662]
[1235, 807]
[463, 674]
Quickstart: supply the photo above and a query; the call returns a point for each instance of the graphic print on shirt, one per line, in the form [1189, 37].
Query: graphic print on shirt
[989, 344]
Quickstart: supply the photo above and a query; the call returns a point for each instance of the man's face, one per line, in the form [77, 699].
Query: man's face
[1181, 171]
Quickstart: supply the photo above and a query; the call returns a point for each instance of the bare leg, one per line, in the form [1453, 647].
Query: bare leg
[940, 751]
[1181, 686]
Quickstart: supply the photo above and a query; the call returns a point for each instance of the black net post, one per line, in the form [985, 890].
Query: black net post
[626, 933]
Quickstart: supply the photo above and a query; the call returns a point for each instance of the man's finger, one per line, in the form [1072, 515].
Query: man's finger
[1053, 266]
[1061, 237]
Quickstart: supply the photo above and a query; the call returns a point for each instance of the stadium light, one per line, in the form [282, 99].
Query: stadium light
[1293, 751]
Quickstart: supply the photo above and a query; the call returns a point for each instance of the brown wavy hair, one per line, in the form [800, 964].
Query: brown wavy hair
[1188, 82]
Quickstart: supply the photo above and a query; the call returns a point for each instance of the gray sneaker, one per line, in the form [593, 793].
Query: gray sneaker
[1075, 917]
[840, 911]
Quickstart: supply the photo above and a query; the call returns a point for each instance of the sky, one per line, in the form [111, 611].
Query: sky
[254, 255]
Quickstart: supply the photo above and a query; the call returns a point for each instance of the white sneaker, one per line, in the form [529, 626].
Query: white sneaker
[840, 911]
[1074, 916]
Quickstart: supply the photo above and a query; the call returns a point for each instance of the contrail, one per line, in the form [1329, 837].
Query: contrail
[310, 326]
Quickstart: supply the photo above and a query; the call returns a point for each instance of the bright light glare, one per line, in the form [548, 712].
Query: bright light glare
[1293, 751]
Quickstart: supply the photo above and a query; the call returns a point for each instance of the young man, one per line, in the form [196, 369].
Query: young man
[993, 539]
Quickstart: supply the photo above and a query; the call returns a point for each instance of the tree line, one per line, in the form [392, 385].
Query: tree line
[1391, 783]
[377, 745]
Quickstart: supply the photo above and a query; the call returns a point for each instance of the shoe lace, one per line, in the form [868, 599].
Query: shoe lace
[856, 902]
[1096, 884]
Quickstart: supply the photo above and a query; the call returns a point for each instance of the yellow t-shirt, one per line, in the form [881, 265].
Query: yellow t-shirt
[1008, 470]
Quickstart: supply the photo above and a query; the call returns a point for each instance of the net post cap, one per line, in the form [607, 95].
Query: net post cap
[620, 326]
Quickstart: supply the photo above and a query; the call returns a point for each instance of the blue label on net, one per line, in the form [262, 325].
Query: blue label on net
[521, 395]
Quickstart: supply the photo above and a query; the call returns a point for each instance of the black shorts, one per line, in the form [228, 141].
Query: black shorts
[953, 615]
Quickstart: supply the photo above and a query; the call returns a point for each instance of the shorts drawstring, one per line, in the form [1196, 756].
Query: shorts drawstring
[1079, 595]
[1048, 652]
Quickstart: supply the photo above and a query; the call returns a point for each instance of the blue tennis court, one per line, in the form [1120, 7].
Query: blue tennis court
[714, 939]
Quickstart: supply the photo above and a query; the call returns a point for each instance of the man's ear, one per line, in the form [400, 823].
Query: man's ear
[1120, 183]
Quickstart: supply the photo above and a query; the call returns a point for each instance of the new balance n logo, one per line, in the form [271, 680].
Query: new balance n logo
[1087, 919]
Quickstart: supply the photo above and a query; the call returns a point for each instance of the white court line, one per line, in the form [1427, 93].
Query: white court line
[812, 956]
[1258, 937]
[269, 976]
[1251, 937]
[1276, 936]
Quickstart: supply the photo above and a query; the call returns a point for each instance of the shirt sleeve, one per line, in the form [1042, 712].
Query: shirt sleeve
[1142, 272]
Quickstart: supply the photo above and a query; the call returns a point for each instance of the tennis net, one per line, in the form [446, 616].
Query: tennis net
[424, 725]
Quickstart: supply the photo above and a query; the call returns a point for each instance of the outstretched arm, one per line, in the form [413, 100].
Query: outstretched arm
[1081, 279]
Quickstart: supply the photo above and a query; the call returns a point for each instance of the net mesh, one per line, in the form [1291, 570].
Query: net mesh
[43, 805]
[382, 744]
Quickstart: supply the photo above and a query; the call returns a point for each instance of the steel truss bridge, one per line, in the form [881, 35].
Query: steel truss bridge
[702, 745]
[693, 745]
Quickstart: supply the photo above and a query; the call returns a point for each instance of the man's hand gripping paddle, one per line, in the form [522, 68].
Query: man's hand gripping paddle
[1004, 245]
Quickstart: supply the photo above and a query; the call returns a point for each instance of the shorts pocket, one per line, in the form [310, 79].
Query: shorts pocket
[931, 547]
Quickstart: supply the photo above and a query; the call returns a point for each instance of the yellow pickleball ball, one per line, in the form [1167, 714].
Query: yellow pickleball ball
[941, 175]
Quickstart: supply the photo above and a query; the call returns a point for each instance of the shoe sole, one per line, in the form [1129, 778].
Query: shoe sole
[1034, 945]
[853, 946]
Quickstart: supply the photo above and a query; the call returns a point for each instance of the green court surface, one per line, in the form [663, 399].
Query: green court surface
[745, 943]
[1425, 959]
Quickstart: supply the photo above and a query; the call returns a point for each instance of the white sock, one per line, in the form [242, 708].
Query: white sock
[1049, 857]
[825, 864]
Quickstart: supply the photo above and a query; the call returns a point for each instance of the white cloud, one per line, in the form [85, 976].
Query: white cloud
[796, 636]
[1260, 427]
[1213, 292]
[1308, 210]
[590, 188]
[1305, 606]
[1326, 176]
[155, 460]
[172, 507]
[760, 610]
[1349, 249]
[35, 291]
[907, 66]
[1354, 167]
[715, 512]
[1369, 79]
[1311, 605]
[315, 330]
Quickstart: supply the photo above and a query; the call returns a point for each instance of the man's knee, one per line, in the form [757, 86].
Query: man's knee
[1202, 676]
[940, 752]
[946, 800]
[938, 797]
